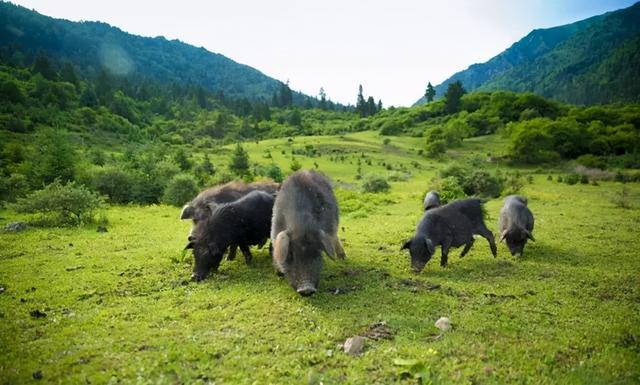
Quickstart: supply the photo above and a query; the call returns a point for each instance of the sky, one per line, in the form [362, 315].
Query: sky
[392, 48]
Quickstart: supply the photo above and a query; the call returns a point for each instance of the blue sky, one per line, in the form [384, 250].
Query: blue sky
[392, 48]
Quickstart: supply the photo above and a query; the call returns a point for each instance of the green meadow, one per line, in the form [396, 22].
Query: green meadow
[82, 307]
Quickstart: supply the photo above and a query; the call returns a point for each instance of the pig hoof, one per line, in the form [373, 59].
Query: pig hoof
[196, 277]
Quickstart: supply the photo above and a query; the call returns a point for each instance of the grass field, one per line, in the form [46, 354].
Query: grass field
[120, 308]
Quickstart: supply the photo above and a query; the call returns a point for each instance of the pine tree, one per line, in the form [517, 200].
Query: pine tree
[430, 93]
[361, 105]
[42, 66]
[323, 99]
[239, 163]
[452, 97]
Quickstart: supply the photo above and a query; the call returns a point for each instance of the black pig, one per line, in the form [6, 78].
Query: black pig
[431, 200]
[305, 223]
[451, 225]
[515, 224]
[244, 222]
[200, 207]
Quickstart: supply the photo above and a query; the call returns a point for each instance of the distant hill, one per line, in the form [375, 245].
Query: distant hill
[95, 46]
[593, 61]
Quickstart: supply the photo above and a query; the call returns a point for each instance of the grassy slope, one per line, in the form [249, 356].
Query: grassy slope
[120, 309]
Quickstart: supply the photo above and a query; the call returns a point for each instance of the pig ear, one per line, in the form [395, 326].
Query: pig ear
[187, 212]
[503, 235]
[281, 249]
[406, 245]
[327, 245]
[529, 235]
[429, 245]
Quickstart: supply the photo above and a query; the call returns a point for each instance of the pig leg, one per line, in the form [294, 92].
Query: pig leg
[337, 246]
[247, 254]
[445, 254]
[488, 235]
[467, 247]
[232, 252]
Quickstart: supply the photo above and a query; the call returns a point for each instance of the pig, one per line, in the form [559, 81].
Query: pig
[516, 224]
[305, 223]
[201, 205]
[431, 200]
[244, 222]
[451, 225]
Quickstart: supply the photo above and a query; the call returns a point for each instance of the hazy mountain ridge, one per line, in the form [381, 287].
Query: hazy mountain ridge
[572, 63]
[93, 46]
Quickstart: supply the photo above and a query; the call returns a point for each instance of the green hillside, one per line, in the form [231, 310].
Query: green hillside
[594, 61]
[94, 47]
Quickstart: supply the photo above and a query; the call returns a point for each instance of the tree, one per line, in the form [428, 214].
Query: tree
[323, 99]
[430, 93]
[54, 157]
[68, 74]
[284, 96]
[182, 160]
[452, 97]
[239, 163]
[42, 66]
[361, 105]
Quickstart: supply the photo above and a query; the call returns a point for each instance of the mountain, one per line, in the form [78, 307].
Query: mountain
[96, 46]
[593, 61]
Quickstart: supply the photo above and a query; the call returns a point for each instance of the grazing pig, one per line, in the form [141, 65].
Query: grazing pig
[305, 223]
[431, 200]
[516, 224]
[451, 225]
[200, 206]
[225, 193]
[244, 222]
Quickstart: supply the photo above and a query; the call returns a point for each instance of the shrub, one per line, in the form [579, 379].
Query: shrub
[449, 189]
[572, 178]
[13, 187]
[295, 165]
[115, 183]
[180, 190]
[436, 148]
[60, 204]
[274, 172]
[591, 161]
[474, 181]
[374, 183]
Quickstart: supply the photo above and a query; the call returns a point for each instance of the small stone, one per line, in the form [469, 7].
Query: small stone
[329, 352]
[443, 323]
[354, 345]
[2, 289]
[15, 227]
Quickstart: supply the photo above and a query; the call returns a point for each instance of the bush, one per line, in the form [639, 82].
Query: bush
[180, 190]
[274, 172]
[116, 184]
[61, 205]
[449, 189]
[474, 181]
[572, 179]
[592, 161]
[13, 187]
[374, 183]
[436, 148]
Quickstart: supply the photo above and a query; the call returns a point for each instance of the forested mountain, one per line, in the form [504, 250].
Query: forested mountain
[592, 61]
[93, 47]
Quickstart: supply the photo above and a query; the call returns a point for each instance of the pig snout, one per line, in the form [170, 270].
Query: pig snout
[306, 289]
